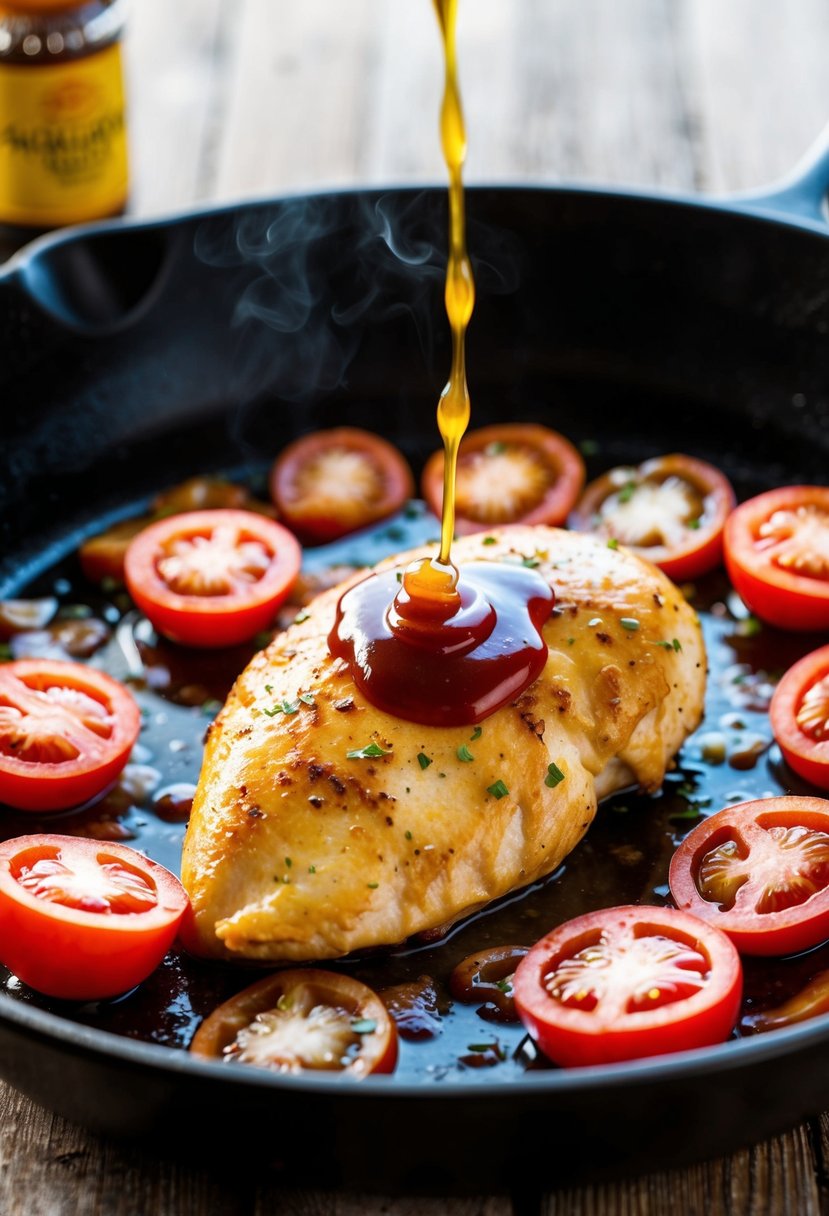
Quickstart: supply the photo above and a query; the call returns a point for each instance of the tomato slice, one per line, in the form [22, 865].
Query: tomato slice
[799, 713]
[486, 978]
[777, 556]
[670, 510]
[760, 872]
[514, 473]
[82, 919]
[330, 483]
[66, 731]
[301, 1020]
[211, 578]
[627, 982]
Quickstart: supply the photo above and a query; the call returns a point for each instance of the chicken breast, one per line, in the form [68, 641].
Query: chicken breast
[296, 851]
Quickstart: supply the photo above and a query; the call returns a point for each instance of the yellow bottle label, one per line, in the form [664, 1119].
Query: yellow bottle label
[63, 144]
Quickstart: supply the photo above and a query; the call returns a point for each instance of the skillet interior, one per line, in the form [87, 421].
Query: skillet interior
[132, 357]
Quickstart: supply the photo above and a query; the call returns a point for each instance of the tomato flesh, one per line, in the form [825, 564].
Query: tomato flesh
[627, 982]
[759, 871]
[82, 919]
[507, 474]
[303, 1020]
[671, 510]
[330, 483]
[777, 556]
[66, 732]
[799, 714]
[211, 578]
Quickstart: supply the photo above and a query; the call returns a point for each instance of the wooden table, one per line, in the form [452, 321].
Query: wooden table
[232, 98]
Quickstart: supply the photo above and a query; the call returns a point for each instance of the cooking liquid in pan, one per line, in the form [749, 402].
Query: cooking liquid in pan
[483, 622]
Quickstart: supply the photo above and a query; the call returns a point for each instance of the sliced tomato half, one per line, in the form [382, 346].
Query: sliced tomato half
[82, 919]
[330, 483]
[670, 510]
[212, 578]
[66, 731]
[799, 713]
[302, 1020]
[759, 871]
[777, 556]
[508, 474]
[627, 982]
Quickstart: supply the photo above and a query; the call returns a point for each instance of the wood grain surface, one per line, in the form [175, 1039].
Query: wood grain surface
[232, 98]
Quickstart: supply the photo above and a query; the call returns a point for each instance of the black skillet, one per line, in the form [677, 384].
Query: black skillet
[134, 354]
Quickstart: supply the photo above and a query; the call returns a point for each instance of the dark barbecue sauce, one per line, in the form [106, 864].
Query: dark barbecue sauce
[444, 660]
[446, 647]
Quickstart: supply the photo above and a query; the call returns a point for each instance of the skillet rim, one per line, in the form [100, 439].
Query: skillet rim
[776, 206]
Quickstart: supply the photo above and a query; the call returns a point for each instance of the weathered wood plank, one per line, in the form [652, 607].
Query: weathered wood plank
[773, 1179]
[757, 77]
[175, 63]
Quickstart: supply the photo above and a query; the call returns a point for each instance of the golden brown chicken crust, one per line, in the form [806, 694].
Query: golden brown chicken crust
[295, 852]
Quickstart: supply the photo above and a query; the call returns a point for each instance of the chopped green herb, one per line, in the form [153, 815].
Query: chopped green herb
[627, 491]
[498, 790]
[488, 540]
[364, 1026]
[554, 776]
[408, 835]
[495, 1048]
[423, 760]
[695, 524]
[372, 886]
[495, 449]
[530, 562]
[399, 576]
[5, 650]
[630, 623]
[301, 616]
[464, 754]
[613, 543]
[691, 811]
[282, 707]
[570, 641]
[589, 447]
[312, 869]
[749, 628]
[288, 862]
[307, 698]
[368, 753]
[504, 985]
[269, 689]
[476, 734]
[677, 645]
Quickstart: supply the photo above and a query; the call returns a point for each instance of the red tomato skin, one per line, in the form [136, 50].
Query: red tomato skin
[809, 758]
[316, 526]
[57, 787]
[77, 955]
[556, 504]
[204, 621]
[789, 601]
[772, 934]
[704, 551]
[576, 1038]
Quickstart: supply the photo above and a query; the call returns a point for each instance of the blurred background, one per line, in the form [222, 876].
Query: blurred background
[230, 98]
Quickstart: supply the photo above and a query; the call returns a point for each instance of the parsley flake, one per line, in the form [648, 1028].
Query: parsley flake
[408, 835]
[530, 562]
[368, 753]
[554, 776]
[495, 449]
[488, 540]
[288, 862]
[372, 886]
[423, 760]
[464, 754]
[302, 616]
[498, 790]
[364, 1026]
[307, 698]
[613, 543]
[476, 734]
[282, 707]
[627, 491]
[312, 869]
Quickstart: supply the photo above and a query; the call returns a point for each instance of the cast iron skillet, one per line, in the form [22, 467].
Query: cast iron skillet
[133, 354]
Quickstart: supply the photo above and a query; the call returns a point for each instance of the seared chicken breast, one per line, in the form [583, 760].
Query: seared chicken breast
[300, 846]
